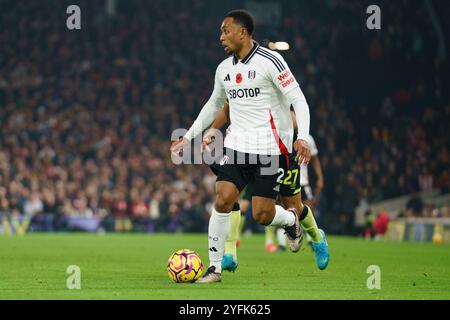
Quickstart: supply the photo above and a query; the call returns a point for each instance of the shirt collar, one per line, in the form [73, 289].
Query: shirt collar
[249, 56]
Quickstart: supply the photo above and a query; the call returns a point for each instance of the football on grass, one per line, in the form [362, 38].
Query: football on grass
[184, 266]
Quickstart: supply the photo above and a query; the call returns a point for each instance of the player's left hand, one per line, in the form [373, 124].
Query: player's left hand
[303, 153]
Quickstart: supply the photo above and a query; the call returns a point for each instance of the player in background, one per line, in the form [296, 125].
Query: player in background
[307, 196]
[289, 196]
[310, 197]
[237, 222]
[259, 87]
[245, 202]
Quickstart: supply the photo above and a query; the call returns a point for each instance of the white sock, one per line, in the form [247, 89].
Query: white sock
[219, 226]
[281, 237]
[283, 218]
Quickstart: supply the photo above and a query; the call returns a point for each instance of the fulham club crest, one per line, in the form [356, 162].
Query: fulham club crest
[252, 74]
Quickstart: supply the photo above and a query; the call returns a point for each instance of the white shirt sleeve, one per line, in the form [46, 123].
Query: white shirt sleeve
[281, 75]
[209, 110]
[285, 81]
[298, 101]
[313, 146]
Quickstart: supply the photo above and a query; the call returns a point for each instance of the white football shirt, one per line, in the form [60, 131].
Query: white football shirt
[256, 88]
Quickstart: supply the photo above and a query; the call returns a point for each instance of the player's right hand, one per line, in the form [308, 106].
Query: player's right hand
[303, 153]
[177, 146]
[208, 138]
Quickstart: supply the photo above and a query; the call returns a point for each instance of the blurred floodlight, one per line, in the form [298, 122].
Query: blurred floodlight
[280, 45]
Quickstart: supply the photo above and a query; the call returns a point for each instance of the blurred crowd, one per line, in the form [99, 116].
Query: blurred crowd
[417, 208]
[379, 102]
[86, 116]
[416, 211]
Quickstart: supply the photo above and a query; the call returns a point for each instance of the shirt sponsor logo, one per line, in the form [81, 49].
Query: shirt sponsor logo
[286, 79]
[243, 93]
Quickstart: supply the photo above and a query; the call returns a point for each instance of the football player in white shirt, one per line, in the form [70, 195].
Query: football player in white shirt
[259, 87]
[290, 197]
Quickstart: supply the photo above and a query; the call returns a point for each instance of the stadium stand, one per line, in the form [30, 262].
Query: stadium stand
[86, 116]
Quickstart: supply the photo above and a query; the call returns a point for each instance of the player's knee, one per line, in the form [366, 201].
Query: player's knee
[224, 203]
[264, 217]
[297, 205]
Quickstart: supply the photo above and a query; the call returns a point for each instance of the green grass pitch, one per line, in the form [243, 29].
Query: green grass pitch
[133, 266]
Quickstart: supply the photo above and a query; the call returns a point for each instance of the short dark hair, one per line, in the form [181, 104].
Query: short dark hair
[244, 18]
